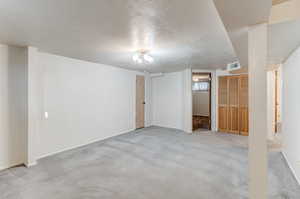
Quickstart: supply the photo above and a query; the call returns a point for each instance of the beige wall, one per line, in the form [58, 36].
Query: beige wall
[167, 100]
[201, 103]
[85, 101]
[290, 112]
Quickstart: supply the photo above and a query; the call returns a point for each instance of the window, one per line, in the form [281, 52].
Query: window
[202, 86]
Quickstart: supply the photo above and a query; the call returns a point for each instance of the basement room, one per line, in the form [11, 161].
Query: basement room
[144, 99]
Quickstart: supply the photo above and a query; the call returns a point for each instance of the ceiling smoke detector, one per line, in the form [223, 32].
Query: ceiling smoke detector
[141, 57]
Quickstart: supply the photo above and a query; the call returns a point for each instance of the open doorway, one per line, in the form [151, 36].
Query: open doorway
[278, 102]
[201, 91]
[274, 99]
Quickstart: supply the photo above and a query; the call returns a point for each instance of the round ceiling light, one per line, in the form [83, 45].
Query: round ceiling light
[141, 57]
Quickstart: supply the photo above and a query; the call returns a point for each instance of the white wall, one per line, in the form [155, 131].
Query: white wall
[86, 102]
[291, 111]
[13, 105]
[201, 103]
[167, 100]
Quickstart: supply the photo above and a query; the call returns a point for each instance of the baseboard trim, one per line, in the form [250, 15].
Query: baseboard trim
[167, 127]
[31, 164]
[202, 115]
[82, 145]
[290, 166]
[2, 168]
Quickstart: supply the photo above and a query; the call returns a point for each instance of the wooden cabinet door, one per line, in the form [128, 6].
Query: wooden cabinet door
[243, 105]
[223, 104]
[233, 102]
[140, 102]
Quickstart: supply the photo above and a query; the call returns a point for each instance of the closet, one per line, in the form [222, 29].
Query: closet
[233, 104]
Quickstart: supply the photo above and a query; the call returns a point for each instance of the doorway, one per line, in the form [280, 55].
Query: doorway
[278, 100]
[201, 92]
[140, 102]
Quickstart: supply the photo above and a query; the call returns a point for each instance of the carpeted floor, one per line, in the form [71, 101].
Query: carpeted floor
[152, 163]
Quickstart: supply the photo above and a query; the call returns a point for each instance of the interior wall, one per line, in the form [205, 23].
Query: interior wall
[201, 103]
[167, 100]
[13, 105]
[290, 112]
[170, 100]
[85, 101]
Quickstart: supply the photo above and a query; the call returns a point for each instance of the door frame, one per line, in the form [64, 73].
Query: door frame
[277, 103]
[210, 96]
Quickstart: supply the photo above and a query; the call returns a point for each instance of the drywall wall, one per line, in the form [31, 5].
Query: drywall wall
[290, 111]
[171, 104]
[86, 102]
[201, 103]
[13, 105]
[167, 100]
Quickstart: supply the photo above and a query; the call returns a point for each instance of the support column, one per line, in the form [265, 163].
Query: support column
[187, 101]
[34, 105]
[257, 41]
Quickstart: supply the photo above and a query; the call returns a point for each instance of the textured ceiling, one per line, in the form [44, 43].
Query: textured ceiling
[179, 34]
[284, 38]
[237, 16]
[275, 2]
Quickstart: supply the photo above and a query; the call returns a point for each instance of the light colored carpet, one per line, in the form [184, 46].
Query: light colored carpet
[152, 163]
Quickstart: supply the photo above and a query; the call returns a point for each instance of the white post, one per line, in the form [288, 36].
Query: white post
[257, 41]
[187, 101]
[34, 105]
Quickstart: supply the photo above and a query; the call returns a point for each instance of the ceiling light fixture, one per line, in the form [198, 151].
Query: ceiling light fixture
[142, 56]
